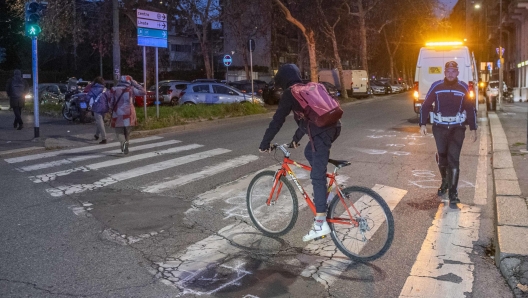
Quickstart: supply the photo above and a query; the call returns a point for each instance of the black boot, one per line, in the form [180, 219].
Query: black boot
[443, 187]
[453, 185]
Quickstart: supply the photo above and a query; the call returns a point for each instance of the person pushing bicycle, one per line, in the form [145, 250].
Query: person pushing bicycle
[317, 151]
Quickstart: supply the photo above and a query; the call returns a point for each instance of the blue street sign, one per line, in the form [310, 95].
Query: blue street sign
[151, 33]
[498, 64]
[227, 60]
[152, 42]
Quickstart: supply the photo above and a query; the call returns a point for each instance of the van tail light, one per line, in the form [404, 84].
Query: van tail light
[471, 90]
[416, 94]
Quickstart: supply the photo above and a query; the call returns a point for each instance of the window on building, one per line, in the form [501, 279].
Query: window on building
[182, 48]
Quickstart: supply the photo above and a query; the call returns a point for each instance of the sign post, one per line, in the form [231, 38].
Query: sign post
[251, 47]
[151, 32]
[227, 61]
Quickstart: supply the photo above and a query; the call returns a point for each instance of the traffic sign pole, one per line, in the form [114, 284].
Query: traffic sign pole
[145, 81]
[34, 53]
[157, 91]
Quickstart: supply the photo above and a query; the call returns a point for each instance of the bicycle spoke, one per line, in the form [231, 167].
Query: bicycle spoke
[372, 235]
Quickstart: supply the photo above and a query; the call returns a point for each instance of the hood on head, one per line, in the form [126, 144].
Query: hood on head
[288, 75]
[17, 73]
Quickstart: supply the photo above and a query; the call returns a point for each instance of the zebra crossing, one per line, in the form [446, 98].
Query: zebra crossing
[68, 161]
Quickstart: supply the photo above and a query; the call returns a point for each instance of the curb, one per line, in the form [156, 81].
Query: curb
[511, 254]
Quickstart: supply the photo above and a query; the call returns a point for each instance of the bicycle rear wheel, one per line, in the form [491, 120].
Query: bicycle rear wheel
[280, 216]
[373, 233]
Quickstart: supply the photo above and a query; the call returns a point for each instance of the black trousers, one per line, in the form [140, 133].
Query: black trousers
[318, 160]
[18, 115]
[449, 142]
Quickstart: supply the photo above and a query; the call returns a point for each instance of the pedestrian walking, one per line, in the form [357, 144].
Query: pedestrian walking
[453, 108]
[98, 101]
[317, 151]
[121, 104]
[17, 88]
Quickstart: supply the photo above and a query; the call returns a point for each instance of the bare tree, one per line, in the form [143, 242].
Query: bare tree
[329, 30]
[361, 13]
[247, 19]
[308, 34]
[201, 15]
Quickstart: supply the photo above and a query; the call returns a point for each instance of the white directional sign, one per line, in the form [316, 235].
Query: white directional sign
[151, 15]
[151, 28]
[151, 24]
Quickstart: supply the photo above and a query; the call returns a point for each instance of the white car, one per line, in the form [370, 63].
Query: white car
[215, 93]
[492, 93]
[170, 92]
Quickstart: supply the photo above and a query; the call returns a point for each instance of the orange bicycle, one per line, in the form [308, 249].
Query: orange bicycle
[361, 223]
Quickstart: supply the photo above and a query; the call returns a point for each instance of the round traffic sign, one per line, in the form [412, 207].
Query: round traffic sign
[228, 60]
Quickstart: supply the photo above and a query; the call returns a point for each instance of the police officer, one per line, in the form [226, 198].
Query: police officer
[452, 110]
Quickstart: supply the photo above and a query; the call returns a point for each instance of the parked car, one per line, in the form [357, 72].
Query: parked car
[378, 88]
[49, 93]
[246, 87]
[151, 99]
[388, 87]
[492, 93]
[207, 81]
[395, 87]
[272, 93]
[215, 93]
[331, 89]
[170, 92]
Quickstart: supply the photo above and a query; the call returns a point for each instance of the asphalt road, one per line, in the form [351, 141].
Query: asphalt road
[170, 219]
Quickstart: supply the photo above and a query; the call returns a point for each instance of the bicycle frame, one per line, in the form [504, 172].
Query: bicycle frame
[285, 169]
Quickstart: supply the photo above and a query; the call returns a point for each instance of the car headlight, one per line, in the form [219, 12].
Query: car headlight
[28, 96]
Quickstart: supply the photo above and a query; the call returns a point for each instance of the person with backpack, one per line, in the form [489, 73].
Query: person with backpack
[321, 136]
[17, 89]
[99, 105]
[121, 103]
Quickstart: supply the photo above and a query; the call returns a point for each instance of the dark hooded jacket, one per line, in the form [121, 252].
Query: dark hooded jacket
[16, 89]
[287, 76]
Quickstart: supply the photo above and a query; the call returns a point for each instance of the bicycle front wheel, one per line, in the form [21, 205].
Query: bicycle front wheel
[280, 215]
[366, 227]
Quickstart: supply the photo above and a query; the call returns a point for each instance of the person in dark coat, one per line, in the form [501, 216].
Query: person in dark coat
[17, 88]
[317, 155]
[453, 108]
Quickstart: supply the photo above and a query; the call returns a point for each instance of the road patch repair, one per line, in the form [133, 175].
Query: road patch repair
[511, 255]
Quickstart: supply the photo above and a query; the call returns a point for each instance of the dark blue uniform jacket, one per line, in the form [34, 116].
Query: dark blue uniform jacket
[449, 98]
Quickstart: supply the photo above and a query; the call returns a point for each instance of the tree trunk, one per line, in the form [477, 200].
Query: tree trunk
[308, 35]
[363, 36]
[391, 58]
[339, 67]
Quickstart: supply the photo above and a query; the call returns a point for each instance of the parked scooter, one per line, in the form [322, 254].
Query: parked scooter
[76, 107]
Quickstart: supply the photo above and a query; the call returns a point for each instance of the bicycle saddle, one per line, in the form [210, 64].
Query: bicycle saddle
[339, 163]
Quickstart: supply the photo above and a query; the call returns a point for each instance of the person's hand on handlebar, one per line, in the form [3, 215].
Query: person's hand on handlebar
[265, 149]
[293, 144]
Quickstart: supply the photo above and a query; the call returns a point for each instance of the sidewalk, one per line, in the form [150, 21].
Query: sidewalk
[510, 174]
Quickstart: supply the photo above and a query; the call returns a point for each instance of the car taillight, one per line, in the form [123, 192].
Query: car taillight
[471, 90]
[182, 93]
[416, 94]
[169, 92]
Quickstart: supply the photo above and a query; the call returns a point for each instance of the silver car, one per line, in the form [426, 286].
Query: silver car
[170, 92]
[215, 93]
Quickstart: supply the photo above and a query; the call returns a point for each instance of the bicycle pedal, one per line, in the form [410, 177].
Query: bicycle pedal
[318, 238]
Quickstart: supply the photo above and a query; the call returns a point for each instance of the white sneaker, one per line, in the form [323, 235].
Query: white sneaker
[317, 231]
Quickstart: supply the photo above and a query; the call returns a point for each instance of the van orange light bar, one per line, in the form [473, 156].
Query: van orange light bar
[443, 43]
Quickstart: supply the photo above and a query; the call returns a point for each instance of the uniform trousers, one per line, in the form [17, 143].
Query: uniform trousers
[449, 142]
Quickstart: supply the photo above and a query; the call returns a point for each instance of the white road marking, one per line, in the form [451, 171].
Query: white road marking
[91, 156]
[148, 169]
[481, 185]
[208, 171]
[110, 163]
[330, 263]
[443, 267]
[75, 150]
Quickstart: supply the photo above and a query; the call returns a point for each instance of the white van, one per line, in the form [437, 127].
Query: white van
[430, 68]
[357, 83]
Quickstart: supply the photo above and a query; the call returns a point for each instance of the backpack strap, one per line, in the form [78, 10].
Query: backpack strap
[114, 108]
